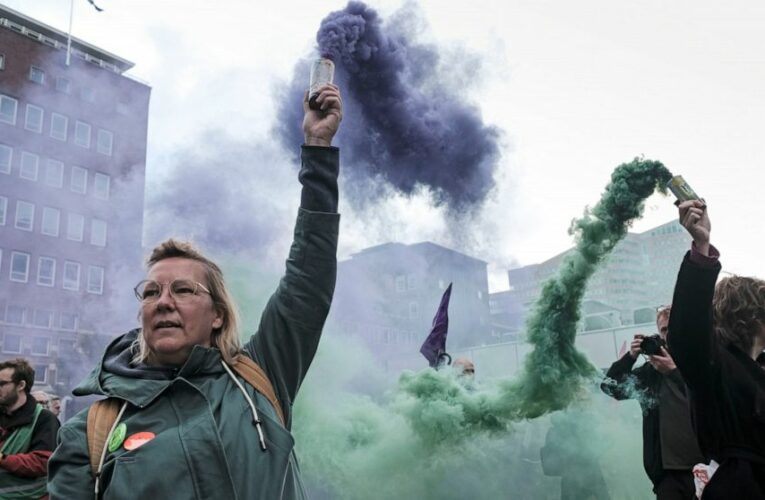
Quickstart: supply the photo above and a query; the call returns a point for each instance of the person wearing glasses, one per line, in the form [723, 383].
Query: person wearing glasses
[27, 434]
[670, 450]
[717, 335]
[189, 426]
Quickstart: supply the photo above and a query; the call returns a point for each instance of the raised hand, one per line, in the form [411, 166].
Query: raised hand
[321, 125]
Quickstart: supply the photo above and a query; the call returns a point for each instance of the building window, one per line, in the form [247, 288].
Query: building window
[87, 94]
[401, 283]
[6, 155]
[95, 280]
[79, 180]
[98, 232]
[58, 126]
[71, 275]
[36, 75]
[63, 85]
[3, 209]
[25, 215]
[14, 315]
[104, 142]
[411, 282]
[50, 221]
[414, 310]
[54, 173]
[12, 344]
[34, 118]
[101, 186]
[8, 107]
[41, 374]
[20, 267]
[82, 134]
[42, 318]
[68, 321]
[46, 271]
[40, 346]
[2, 61]
[29, 164]
[75, 225]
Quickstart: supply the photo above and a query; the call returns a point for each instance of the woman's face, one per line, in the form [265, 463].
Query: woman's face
[171, 328]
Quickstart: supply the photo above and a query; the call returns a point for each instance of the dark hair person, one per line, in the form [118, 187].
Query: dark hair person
[717, 334]
[190, 424]
[27, 434]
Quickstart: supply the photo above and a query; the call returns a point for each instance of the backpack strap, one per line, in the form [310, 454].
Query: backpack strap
[101, 417]
[254, 375]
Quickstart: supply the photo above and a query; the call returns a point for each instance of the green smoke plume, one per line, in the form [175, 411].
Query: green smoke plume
[554, 370]
[436, 435]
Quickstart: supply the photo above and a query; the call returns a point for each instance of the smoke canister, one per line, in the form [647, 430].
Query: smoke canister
[681, 189]
[322, 73]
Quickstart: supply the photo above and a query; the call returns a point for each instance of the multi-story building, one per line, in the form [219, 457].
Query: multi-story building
[72, 161]
[387, 296]
[636, 277]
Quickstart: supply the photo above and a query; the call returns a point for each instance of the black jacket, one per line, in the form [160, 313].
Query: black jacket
[643, 384]
[727, 388]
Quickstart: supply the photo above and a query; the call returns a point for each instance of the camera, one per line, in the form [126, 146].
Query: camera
[652, 345]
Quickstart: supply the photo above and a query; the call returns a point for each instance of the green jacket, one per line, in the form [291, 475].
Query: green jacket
[205, 445]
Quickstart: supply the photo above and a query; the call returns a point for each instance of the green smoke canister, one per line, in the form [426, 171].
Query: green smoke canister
[681, 189]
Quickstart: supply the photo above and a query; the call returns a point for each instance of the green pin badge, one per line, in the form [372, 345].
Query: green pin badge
[117, 437]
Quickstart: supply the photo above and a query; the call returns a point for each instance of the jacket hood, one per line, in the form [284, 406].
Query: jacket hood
[117, 376]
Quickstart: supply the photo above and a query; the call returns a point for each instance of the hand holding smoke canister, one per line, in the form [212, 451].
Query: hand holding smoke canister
[322, 73]
[682, 190]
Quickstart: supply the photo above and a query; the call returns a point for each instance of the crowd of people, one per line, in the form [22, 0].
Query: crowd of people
[189, 412]
[703, 392]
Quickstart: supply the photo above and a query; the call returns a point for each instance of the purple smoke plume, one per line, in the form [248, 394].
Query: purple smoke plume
[401, 125]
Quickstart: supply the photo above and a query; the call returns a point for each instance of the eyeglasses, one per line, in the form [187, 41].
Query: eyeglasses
[149, 291]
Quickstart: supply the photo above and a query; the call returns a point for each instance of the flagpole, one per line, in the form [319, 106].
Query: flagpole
[69, 37]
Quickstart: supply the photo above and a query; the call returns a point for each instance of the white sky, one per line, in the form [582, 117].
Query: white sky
[577, 87]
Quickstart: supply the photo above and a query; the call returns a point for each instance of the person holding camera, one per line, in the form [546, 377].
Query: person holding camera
[670, 449]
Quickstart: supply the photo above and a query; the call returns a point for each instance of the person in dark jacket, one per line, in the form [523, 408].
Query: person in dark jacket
[717, 334]
[27, 434]
[568, 453]
[670, 449]
[188, 426]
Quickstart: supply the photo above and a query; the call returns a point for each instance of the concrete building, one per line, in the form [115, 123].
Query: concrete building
[638, 276]
[387, 296]
[72, 162]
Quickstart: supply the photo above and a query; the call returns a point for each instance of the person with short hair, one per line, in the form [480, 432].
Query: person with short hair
[188, 425]
[464, 366]
[54, 405]
[43, 398]
[670, 449]
[717, 335]
[27, 434]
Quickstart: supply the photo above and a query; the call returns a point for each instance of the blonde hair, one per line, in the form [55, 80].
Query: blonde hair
[739, 310]
[225, 338]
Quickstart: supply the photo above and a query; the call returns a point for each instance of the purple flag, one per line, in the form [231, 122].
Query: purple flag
[435, 345]
[93, 3]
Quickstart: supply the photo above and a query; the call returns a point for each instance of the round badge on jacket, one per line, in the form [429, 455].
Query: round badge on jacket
[138, 439]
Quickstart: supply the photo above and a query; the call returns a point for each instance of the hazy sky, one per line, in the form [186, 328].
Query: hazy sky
[576, 87]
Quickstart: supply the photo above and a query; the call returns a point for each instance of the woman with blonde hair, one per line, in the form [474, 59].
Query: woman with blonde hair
[190, 423]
